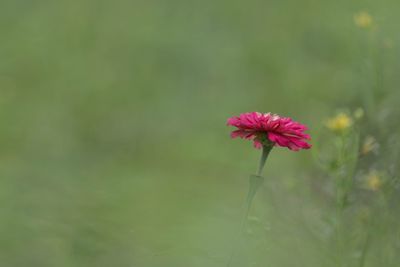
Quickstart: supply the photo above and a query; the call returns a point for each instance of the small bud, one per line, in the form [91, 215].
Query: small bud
[358, 114]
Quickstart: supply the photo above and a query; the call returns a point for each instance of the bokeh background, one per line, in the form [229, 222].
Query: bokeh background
[114, 149]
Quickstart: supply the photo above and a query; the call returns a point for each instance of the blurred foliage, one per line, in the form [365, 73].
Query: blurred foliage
[114, 149]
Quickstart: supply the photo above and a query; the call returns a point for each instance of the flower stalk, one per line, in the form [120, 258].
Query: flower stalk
[255, 182]
[265, 152]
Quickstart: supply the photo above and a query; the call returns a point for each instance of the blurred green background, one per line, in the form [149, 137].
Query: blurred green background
[114, 149]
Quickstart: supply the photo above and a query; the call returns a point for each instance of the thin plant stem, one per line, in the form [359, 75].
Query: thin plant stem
[255, 182]
[365, 249]
[263, 159]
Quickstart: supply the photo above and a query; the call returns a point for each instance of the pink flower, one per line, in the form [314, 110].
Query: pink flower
[267, 128]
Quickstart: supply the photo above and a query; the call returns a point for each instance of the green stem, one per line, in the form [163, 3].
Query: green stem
[255, 182]
[264, 156]
[365, 249]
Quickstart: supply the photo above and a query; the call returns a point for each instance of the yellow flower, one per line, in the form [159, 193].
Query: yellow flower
[373, 181]
[363, 20]
[340, 122]
[369, 145]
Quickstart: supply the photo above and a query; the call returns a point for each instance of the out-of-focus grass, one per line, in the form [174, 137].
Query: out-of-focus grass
[113, 145]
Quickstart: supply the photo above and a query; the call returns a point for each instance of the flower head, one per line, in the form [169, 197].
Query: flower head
[270, 129]
[339, 123]
[369, 145]
[373, 181]
[363, 19]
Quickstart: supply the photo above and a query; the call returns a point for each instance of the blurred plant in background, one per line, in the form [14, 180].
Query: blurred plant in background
[361, 188]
